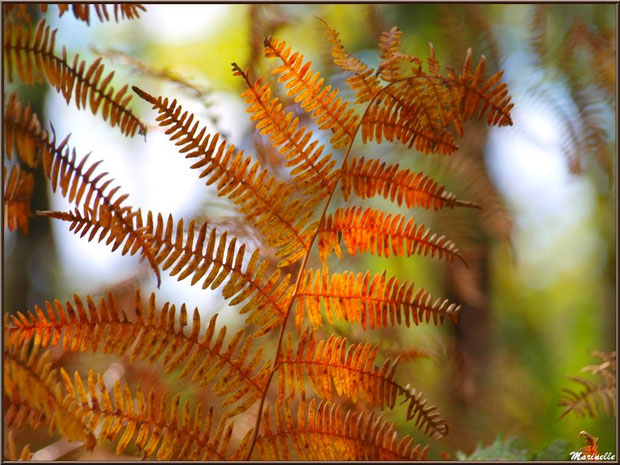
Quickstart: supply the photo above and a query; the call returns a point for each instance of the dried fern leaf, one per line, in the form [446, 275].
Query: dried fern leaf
[82, 11]
[116, 229]
[10, 452]
[154, 431]
[18, 413]
[353, 374]
[374, 231]
[263, 200]
[391, 56]
[34, 58]
[18, 189]
[217, 260]
[363, 82]
[312, 171]
[371, 177]
[322, 433]
[374, 302]
[22, 133]
[153, 336]
[326, 108]
[30, 377]
[590, 400]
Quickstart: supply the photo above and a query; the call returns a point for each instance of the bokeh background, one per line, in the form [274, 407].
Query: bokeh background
[539, 293]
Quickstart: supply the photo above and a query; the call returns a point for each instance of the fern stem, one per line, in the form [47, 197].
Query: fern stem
[300, 274]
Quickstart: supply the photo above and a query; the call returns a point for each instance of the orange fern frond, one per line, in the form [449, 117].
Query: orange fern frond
[370, 301]
[156, 336]
[18, 413]
[218, 260]
[329, 111]
[391, 56]
[264, 201]
[378, 232]
[312, 171]
[34, 58]
[18, 189]
[82, 10]
[364, 82]
[22, 133]
[153, 430]
[31, 378]
[353, 373]
[371, 177]
[328, 436]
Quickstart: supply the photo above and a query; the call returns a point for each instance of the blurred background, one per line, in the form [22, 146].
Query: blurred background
[539, 293]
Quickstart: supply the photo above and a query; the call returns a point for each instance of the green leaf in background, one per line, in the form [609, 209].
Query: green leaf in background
[501, 449]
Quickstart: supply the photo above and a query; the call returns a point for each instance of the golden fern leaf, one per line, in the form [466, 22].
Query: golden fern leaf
[218, 260]
[329, 111]
[263, 200]
[364, 82]
[18, 189]
[391, 56]
[371, 177]
[156, 336]
[372, 302]
[312, 171]
[31, 378]
[158, 429]
[82, 10]
[18, 413]
[34, 58]
[11, 449]
[375, 231]
[328, 436]
[22, 133]
[353, 373]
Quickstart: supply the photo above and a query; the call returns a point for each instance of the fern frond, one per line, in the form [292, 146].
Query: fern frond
[353, 373]
[10, 453]
[391, 56]
[18, 189]
[363, 82]
[18, 413]
[156, 336]
[82, 10]
[374, 302]
[371, 177]
[311, 170]
[263, 200]
[377, 232]
[34, 58]
[22, 133]
[329, 110]
[590, 400]
[327, 435]
[152, 430]
[31, 378]
[115, 229]
[218, 260]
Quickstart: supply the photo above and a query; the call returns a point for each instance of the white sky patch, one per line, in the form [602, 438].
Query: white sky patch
[169, 23]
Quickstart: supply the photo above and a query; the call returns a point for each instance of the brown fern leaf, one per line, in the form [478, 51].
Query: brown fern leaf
[34, 58]
[311, 170]
[377, 232]
[409, 111]
[18, 413]
[391, 56]
[371, 177]
[31, 378]
[153, 430]
[218, 260]
[484, 97]
[373, 302]
[22, 133]
[354, 375]
[363, 82]
[82, 10]
[156, 336]
[263, 200]
[328, 436]
[114, 229]
[18, 189]
[329, 111]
